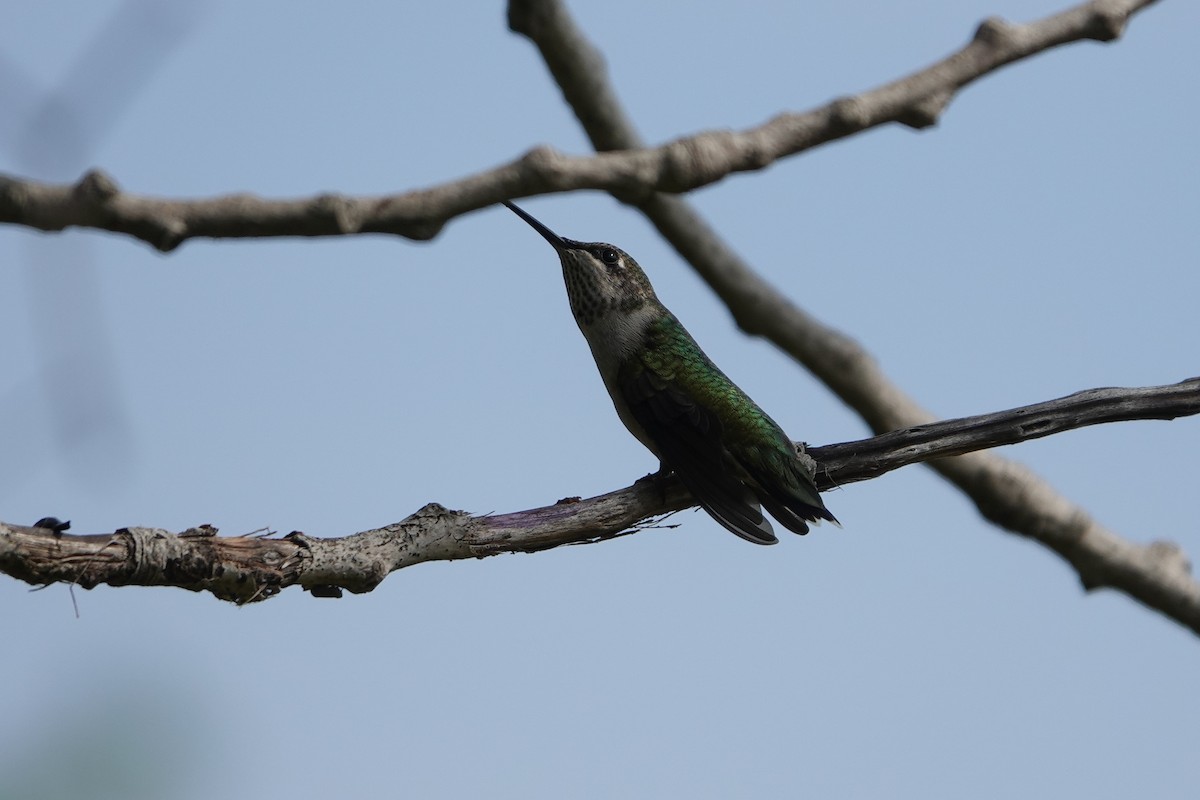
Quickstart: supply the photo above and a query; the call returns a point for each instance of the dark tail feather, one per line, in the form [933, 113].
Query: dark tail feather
[729, 503]
[795, 516]
[758, 532]
[784, 515]
[794, 503]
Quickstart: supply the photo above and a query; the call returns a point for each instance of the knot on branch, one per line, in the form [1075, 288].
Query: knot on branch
[1107, 21]
[697, 161]
[148, 552]
[96, 186]
[170, 234]
[926, 112]
[542, 162]
[849, 114]
[345, 216]
[995, 32]
[1169, 558]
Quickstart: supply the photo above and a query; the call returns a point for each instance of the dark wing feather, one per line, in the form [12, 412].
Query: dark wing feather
[689, 441]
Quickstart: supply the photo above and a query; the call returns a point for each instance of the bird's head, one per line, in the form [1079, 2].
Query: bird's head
[600, 277]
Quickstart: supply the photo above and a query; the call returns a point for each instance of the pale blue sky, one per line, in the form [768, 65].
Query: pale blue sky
[1040, 241]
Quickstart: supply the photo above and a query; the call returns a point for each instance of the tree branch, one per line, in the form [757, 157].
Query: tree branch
[634, 175]
[869, 458]
[246, 569]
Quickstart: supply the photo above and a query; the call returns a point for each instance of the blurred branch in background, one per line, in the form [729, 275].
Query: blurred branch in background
[119, 742]
[54, 131]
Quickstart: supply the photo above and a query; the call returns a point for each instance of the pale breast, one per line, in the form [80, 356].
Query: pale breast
[614, 338]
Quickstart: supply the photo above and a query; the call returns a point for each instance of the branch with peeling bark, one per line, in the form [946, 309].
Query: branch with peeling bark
[250, 568]
[628, 170]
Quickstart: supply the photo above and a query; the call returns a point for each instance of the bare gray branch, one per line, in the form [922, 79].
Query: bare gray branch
[634, 174]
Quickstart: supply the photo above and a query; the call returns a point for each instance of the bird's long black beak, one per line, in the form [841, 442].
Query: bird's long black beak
[550, 236]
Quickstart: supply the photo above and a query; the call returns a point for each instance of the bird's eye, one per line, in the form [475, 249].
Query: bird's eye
[609, 256]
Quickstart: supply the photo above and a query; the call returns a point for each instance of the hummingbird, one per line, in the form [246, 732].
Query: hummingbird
[731, 456]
